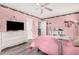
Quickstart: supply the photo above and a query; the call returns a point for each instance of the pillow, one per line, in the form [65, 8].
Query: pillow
[76, 42]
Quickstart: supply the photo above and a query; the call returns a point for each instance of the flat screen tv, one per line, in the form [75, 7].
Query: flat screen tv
[14, 26]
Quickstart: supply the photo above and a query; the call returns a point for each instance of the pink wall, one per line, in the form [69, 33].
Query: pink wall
[35, 27]
[7, 14]
[58, 22]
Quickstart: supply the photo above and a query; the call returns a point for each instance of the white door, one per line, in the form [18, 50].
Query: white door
[43, 27]
[29, 28]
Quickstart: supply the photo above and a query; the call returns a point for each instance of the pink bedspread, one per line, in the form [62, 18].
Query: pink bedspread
[49, 45]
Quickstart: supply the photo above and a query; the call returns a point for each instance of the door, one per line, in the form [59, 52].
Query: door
[29, 28]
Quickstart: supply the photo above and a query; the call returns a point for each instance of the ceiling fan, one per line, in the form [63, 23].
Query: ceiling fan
[44, 6]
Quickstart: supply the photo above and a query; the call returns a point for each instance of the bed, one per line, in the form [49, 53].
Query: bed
[52, 46]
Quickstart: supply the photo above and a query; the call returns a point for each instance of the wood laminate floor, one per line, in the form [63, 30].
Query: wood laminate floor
[19, 50]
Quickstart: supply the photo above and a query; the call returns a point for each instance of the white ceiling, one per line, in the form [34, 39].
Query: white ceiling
[34, 9]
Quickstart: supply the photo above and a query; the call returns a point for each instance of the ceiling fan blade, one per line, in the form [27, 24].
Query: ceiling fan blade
[45, 4]
[41, 11]
[48, 9]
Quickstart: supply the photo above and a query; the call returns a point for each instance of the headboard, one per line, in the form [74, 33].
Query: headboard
[59, 33]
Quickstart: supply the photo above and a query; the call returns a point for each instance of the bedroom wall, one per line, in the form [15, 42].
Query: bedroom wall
[35, 27]
[7, 14]
[58, 22]
[32, 27]
[12, 36]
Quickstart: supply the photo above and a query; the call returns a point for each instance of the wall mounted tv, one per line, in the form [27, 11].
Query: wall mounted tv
[14, 26]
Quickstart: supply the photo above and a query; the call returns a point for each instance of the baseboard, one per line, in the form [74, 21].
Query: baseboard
[13, 46]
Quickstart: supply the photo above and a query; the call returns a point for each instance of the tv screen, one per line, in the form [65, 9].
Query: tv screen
[13, 26]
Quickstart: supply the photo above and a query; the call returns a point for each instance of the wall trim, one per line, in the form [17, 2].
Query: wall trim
[18, 11]
[62, 15]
